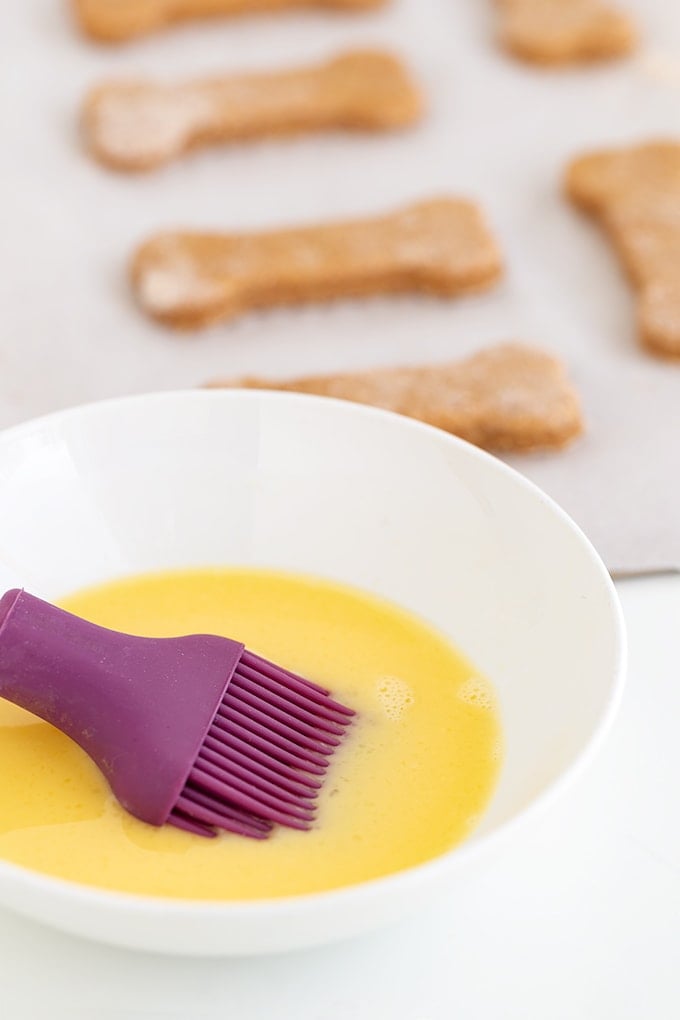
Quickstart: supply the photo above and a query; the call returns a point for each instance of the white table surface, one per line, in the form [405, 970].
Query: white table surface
[579, 921]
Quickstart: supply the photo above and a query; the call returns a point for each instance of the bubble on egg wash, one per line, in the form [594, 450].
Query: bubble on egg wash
[477, 691]
[395, 697]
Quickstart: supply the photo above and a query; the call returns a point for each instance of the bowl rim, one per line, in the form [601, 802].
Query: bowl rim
[120, 902]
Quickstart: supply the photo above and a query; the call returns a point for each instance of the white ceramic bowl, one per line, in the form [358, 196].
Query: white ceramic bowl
[344, 492]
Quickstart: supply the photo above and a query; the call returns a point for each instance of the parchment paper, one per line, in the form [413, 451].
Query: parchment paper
[497, 131]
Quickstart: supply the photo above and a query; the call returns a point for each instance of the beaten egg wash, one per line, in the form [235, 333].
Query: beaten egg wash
[409, 782]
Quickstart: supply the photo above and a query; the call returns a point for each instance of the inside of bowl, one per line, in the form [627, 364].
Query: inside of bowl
[333, 490]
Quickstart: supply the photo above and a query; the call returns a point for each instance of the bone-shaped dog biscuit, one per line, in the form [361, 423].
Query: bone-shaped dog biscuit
[119, 20]
[507, 398]
[564, 31]
[441, 246]
[635, 194]
[140, 125]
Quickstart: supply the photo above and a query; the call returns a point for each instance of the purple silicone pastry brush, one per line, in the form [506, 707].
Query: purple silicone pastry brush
[193, 731]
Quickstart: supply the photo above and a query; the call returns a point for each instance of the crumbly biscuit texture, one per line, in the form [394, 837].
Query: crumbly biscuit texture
[441, 246]
[565, 31]
[635, 194]
[140, 125]
[115, 21]
[506, 398]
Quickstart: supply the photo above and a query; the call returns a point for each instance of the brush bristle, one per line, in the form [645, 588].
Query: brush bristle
[263, 759]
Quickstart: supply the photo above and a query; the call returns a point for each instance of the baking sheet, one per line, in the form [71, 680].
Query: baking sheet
[497, 131]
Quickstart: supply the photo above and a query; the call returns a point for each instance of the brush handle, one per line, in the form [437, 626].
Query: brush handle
[140, 707]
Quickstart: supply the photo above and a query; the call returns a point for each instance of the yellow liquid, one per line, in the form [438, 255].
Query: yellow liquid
[409, 783]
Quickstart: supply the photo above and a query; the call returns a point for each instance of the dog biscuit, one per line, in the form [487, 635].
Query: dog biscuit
[635, 194]
[139, 125]
[114, 21]
[507, 398]
[441, 247]
[564, 31]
